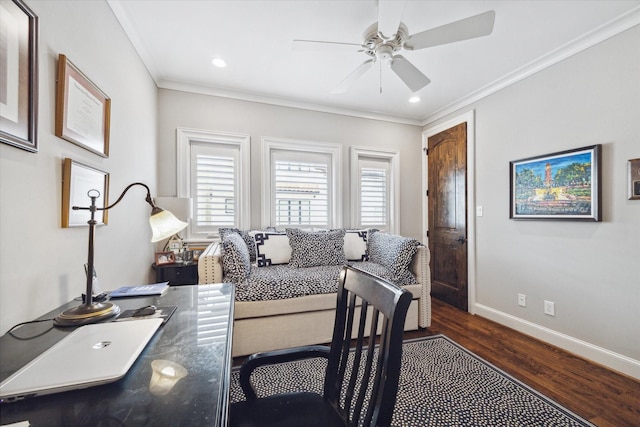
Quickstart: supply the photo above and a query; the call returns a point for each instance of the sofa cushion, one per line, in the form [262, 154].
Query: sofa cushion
[281, 282]
[246, 236]
[393, 252]
[271, 248]
[313, 249]
[235, 261]
[355, 245]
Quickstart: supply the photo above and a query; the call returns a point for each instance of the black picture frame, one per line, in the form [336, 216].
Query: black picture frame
[633, 172]
[565, 185]
[19, 62]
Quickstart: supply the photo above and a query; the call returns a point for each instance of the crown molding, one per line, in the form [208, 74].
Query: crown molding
[283, 102]
[598, 35]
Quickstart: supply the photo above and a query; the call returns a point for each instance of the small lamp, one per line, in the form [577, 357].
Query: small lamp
[163, 225]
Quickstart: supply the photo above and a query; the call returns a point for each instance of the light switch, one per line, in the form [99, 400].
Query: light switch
[479, 211]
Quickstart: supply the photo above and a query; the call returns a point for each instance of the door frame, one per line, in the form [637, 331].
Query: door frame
[430, 130]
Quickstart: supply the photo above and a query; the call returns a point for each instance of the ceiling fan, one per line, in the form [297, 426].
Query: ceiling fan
[384, 39]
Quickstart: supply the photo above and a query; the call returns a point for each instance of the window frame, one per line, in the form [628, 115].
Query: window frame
[392, 158]
[269, 145]
[185, 137]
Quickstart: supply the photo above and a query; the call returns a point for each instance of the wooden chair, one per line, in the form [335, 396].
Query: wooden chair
[348, 400]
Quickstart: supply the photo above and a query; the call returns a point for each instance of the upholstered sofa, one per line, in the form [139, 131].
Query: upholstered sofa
[285, 292]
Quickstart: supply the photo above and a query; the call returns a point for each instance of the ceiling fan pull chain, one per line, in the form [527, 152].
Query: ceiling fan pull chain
[380, 77]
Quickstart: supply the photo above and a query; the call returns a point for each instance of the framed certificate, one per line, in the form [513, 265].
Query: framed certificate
[18, 75]
[82, 110]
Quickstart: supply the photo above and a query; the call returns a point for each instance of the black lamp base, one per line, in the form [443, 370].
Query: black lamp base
[87, 313]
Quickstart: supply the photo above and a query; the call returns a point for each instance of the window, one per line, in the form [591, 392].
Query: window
[300, 182]
[374, 193]
[374, 189]
[213, 170]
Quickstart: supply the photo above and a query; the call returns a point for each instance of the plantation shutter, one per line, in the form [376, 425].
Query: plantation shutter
[302, 189]
[214, 187]
[374, 193]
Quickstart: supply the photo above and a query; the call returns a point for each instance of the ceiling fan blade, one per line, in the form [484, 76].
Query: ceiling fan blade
[351, 78]
[389, 16]
[464, 29]
[316, 45]
[408, 73]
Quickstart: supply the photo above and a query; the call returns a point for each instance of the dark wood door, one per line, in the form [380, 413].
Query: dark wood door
[447, 186]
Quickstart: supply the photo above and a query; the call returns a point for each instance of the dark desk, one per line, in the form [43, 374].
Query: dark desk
[198, 337]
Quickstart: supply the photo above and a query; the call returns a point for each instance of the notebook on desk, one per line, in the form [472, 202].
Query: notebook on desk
[89, 356]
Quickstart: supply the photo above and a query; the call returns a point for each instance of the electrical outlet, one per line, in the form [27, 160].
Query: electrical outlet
[549, 308]
[522, 300]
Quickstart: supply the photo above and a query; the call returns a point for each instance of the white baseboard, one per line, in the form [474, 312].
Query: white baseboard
[610, 359]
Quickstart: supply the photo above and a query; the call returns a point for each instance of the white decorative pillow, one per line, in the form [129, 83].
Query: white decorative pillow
[309, 249]
[355, 245]
[271, 248]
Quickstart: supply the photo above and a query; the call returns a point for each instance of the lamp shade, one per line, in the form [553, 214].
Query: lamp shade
[164, 224]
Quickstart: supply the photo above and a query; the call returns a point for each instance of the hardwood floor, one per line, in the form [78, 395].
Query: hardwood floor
[600, 395]
[594, 392]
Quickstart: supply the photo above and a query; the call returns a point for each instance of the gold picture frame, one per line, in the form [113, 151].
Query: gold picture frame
[19, 68]
[77, 180]
[83, 111]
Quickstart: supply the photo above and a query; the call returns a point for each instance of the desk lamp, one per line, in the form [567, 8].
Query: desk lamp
[163, 225]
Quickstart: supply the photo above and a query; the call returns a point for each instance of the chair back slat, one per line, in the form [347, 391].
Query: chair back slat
[357, 357]
[365, 394]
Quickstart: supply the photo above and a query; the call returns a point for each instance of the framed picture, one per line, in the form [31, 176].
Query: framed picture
[165, 258]
[18, 75]
[77, 180]
[633, 170]
[563, 185]
[174, 243]
[83, 111]
[197, 251]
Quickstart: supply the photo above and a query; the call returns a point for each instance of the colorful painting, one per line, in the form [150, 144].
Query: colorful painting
[564, 185]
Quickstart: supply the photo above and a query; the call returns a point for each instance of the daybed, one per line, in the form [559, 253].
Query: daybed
[286, 282]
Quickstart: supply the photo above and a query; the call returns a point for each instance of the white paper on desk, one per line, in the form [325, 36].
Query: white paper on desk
[18, 424]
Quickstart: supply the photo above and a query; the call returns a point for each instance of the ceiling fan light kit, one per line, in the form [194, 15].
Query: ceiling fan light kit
[380, 47]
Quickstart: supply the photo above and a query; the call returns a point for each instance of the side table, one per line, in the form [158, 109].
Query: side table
[177, 274]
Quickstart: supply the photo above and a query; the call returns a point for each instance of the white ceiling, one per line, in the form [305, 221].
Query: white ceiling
[177, 40]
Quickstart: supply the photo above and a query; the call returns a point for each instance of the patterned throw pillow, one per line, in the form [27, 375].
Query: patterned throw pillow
[271, 248]
[248, 239]
[235, 258]
[393, 252]
[355, 245]
[309, 249]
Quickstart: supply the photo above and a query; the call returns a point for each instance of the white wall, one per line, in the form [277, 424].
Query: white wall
[41, 264]
[589, 269]
[182, 109]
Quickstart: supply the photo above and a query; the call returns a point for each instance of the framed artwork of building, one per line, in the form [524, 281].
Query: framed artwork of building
[563, 185]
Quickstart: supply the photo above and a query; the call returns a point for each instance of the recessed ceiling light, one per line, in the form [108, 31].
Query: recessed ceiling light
[414, 99]
[219, 62]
